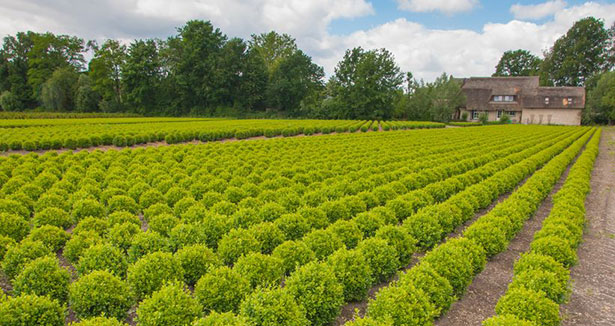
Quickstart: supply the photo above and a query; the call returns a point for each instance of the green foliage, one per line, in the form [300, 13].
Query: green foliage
[529, 305]
[322, 242]
[293, 254]
[221, 290]
[405, 306]
[100, 293]
[152, 271]
[557, 248]
[398, 238]
[52, 216]
[348, 232]
[293, 226]
[437, 288]
[353, 271]
[145, 243]
[517, 63]
[236, 243]
[171, 305]
[507, 320]
[29, 309]
[222, 319]
[73, 249]
[315, 287]
[196, 261]
[99, 321]
[5, 244]
[14, 226]
[44, 277]
[532, 261]
[541, 281]
[260, 270]
[18, 256]
[381, 258]
[87, 207]
[52, 236]
[102, 257]
[272, 307]
[121, 235]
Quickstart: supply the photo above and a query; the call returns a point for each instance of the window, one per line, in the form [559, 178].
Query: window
[509, 98]
[474, 115]
[499, 114]
[547, 100]
[503, 98]
[511, 113]
[570, 101]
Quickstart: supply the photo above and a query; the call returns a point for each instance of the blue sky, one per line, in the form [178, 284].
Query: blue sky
[427, 37]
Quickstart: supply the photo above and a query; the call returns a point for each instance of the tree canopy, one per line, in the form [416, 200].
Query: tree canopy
[518, 63]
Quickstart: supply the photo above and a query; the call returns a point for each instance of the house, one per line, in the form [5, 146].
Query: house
[523, 100]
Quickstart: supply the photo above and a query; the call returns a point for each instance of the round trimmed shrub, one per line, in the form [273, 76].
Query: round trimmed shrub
[100, 293]
[149, 273]
[541, 281]
[121, 235]
[425, 229]
[529, 305]
[196, 260]
[368, 321]
[268, 235]
[29, 309]
[222, 290]
[273, 307]
[353, 271]
[73, 249]
[18, 256]
[163, 223]
[348, 232]
[186, 234]
[171, 305]
[155, 210]
[52, 216]
[222, 319]
[293, 226]
[122, 203]
[52, 236]
[121, 217]
[14, 226]
[5, 244]
[144, 243]
[532, 261]
[437, 288]
[369, 223]
[405, 306]
[487, 235]
[96, 224]
[9, 206]
[293, 254]
[102, 257]
[507, 320]
[315, 287]
[99, 321]
[270, 212]
[87, 207]
[556, 247]
[236, 243]
[260, 270]
[323, 243]
[398, 238]
[43, 276]
[151, 197]
[381, 258]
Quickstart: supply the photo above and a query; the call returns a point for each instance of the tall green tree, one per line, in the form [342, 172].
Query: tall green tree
[273, 48]
[58, 92]
[142, 77]
[436, 101]
[86, 98]
[14, 71]
[601, 99]
[518, 63]
[365, 84]
[579, 54]
[105, 71]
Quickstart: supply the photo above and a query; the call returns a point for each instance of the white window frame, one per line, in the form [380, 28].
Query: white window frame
[570, 99]
[498, 98]
[475, 115]
[509, 98]
[546, 100]
[511, 113]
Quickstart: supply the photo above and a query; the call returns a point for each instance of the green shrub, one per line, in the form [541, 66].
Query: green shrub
[186, 234]
[145, 243]
[5, 244]
[222, 319]
[95, 224]
[87, 207]
[18, 256]
[52, 216]
[293, 254]
[268, 235]
[348, 232]
[28, 310]
[368, 321]
[381, 257]
[315, 287]
[405, 306]
[221, 290]
[352, 270]
[336, 210]
[270, 212]
[121, 235]
[453, 264]
[151, 197]
[438, 290]
[121, 217]
[9, 206]
[557, 248]
[236, 243]
[44, 277]
[100, 293]
[541, 281]
[487, 235]
[52, 236]
[99, 321]
[171, 305]
[507, 320]
[273, 307]
[122, 203]
[369, 223]
[73, 249]
[323, 243]
[529, 305]
[532, 261]
[260, 270]
[163, 223]
[149, 273]
[293, 226]
[196, 260]
[425, 229]
[102, 257]
[398, 238]
[14, 226]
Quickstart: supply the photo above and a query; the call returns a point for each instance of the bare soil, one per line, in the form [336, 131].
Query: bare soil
[592, 301]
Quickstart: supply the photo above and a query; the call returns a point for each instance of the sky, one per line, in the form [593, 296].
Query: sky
[427, 37]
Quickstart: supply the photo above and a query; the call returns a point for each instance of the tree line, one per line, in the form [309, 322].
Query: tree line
[200, 71]
[584, 56]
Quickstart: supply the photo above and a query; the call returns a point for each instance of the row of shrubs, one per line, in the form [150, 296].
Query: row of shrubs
[428, 289]
[541, 276]
[404, 125]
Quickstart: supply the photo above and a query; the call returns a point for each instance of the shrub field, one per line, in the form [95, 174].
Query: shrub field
[286, 231]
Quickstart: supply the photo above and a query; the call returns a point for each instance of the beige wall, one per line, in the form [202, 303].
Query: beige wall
[493, 115]
[571, 117]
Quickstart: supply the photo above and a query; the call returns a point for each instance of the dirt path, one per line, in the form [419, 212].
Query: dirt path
[478, 303]
[592, 301]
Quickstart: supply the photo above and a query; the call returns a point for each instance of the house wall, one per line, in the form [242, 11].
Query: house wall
[493, 115]
[570, 117]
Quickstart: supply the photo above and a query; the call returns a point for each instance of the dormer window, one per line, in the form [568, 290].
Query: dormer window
[547, 100]
[503, 98]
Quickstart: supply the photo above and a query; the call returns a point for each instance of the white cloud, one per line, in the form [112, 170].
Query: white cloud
[445, 6]
[537, 11]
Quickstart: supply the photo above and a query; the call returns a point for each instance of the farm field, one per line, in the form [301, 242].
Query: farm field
[46, 134]
[291, 231]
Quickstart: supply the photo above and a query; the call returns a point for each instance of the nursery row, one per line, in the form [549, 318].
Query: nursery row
[428, 289]
[541, 276]
[14, 115]
[325, 216]
[84, 133]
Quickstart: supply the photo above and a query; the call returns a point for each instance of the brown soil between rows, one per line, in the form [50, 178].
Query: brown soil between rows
[592, 301]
